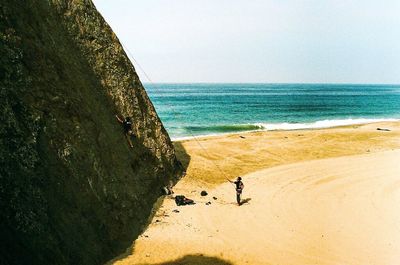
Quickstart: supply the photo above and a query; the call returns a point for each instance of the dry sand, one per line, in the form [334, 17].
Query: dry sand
[327, 196]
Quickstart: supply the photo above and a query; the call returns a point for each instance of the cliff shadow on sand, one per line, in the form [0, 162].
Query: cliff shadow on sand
[182, 155]
[183, 159]
[195, 260]
[198, 259]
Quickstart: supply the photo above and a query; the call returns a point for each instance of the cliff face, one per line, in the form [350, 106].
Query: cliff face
[71, 189]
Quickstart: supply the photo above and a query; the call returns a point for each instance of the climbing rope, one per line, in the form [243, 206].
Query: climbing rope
[173, 110]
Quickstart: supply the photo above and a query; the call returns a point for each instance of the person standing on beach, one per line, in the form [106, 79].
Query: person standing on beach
[239, 188]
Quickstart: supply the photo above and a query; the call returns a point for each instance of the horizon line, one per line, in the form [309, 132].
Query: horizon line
[272, 83]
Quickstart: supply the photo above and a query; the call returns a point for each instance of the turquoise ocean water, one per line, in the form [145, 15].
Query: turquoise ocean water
[188, 110]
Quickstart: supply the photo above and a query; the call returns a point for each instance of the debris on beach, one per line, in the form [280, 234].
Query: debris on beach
[208, 203]
[242, 137]
[383, 129]
[203, 193]
[215, 198]
[175, 211]
[181, 200]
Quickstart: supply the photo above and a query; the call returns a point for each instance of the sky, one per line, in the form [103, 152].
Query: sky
[259, 41]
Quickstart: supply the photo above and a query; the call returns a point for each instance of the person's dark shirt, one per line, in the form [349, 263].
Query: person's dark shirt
[239, 184]
[127, 125]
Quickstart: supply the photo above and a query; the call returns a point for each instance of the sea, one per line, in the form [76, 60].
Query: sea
[201, 109]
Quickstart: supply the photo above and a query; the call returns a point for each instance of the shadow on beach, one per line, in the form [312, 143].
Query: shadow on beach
[245, 201]
[194, 260]
[182, 155]
[184, 158]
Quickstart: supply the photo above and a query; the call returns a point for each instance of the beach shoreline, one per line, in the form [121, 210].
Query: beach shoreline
[212, 135]
[201, 109]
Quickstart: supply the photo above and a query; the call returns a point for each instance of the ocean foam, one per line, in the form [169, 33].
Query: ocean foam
[237, 128]
[318, 124]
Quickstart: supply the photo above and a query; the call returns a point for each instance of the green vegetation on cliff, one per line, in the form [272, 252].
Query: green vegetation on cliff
[71, 189]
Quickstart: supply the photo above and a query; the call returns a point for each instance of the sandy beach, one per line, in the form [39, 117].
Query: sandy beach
[327, 196]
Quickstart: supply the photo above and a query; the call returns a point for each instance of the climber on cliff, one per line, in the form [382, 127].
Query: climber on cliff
[239, 188]
[127, 125]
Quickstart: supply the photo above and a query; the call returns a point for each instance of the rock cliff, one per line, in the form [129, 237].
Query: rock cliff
[71, 189]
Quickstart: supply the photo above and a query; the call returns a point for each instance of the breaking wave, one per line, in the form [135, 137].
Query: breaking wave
[231, 128]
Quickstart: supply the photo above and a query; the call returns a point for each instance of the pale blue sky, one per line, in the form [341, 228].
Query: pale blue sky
[290, 41]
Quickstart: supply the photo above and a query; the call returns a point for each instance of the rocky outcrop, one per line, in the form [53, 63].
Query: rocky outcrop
[71, 189]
